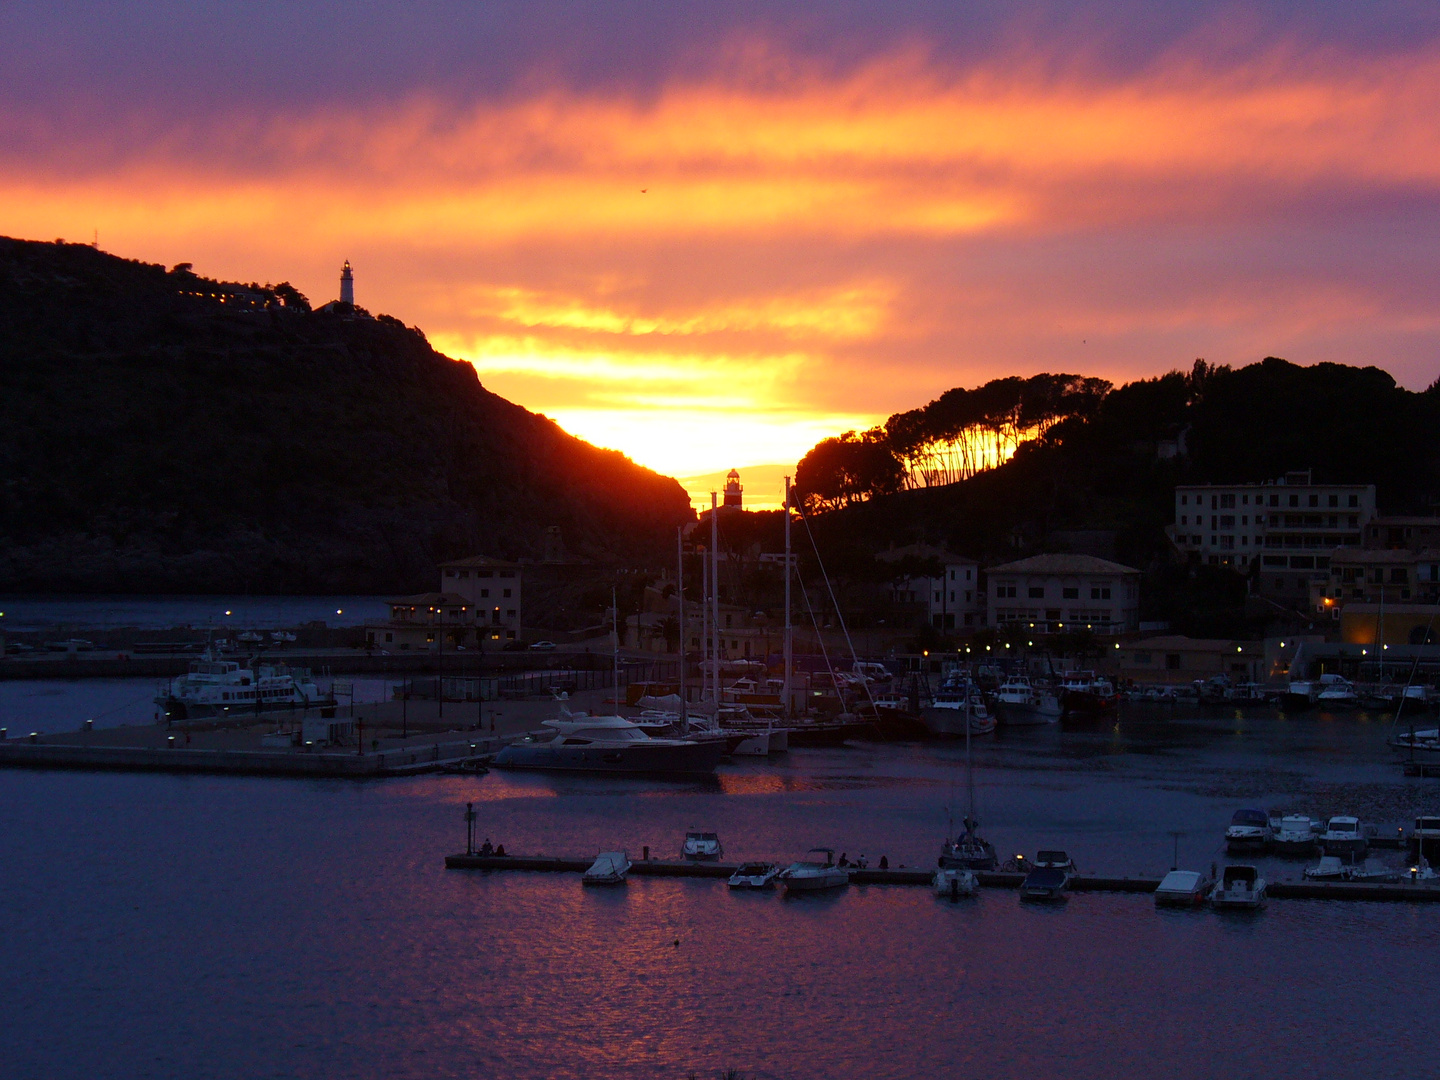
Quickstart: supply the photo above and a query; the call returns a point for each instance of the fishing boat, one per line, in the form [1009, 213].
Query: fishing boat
[608, 744]
[815, 872]
[1085, 696]
[1019, 704]
[954, 882]
[957, 709]
[1241, 888]
[1344, 836]
[701, 846]
[1249, 830]
[754, 875]
[1182, 888]
[609, 868]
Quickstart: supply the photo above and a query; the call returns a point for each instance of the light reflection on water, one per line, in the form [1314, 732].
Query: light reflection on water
[204, 926]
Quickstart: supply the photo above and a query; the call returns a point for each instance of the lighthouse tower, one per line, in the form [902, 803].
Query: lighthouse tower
[732, 489]
[347, 284]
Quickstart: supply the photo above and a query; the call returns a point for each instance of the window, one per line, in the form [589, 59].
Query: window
[507, 594]
[484, 594]
[1244, 519]
[1182, 500]
[1172, 661]
[1274, 500]
[1334, 500]
[1100, 592]
[1314, 500]
[511, 613]
[1142, 658]
[967, 597]
[1037, 592]
[1070, 592]
[1354, 500]
[449, 573]
[1399, 576]
[389, 637]
[1294, 500]
[1227, 521]
[1003, 591]
[1227, 502]
[1182, 520]
[1214, 501]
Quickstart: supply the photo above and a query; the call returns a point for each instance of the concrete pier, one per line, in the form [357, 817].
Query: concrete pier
[1280, 890]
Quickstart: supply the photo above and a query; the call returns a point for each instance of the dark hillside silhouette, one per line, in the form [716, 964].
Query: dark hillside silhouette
[160, 431]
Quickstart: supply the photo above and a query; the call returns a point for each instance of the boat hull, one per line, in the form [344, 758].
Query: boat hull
[1020, 714]
[950, 723]
[837, 879]
[669, 759]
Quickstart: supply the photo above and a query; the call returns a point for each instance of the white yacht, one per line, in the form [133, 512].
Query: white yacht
[954, 882]
[1249, 830]
[215, 688]
[816, 871]
[957, 703]
[1022, 705]
[1421, 747]
[703, 846]
[1344, 836]
[609, 868]
[1241, 887]
[608, 744]
[1295, 836]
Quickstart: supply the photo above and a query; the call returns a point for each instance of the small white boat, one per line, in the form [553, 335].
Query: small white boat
[1022, 705]
[1420, 873]
[953, 883]
[815, 872]
[1330, 868]
[1336, 692]
[284, 637]
[1045, 883]
[1344, 836]
[755, 875]
[609, 868]
[1241, 888]
[1249, 830]
[702, 846]
[1182, 888]
[1295, 836]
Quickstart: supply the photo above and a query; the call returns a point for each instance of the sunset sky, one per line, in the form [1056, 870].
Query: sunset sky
[710, 235]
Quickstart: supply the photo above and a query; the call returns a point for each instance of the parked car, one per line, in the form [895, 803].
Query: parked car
[548, 646]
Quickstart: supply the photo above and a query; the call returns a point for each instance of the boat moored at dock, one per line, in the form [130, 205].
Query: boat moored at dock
[1249, 830]
[1182, 888]
[215, 689]
[702, 845]
[609, 868]
[1019, 704]
[1241, 888]
[1046, 884]
[754, 875]
[816, 872]
[1295, 836]
[953, 883]
[1345, 837]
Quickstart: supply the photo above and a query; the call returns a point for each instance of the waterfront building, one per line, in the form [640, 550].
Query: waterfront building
[953, 601]
[1054, 593]
[477, 605]
[1382, 595]
[1175, 659]
[1282, 531]
[493, 586]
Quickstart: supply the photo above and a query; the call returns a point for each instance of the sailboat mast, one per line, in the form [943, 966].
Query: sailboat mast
[788, 643]
[715, 588]
[704, 624]
[969, 763]
[615, 633]
[680, 599]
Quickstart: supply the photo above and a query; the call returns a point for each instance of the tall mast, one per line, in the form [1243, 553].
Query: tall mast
[715, 589]
[704, 624]
[788, 646]
[680, 597]
[615, 631]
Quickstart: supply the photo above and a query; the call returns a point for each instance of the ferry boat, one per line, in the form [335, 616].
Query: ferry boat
[215, 688]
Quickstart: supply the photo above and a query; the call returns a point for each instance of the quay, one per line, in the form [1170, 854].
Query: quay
[676, 868]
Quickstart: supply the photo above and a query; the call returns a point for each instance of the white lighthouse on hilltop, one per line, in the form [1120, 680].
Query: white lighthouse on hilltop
[347, 284]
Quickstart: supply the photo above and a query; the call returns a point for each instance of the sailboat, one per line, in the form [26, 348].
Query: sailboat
[968, 851]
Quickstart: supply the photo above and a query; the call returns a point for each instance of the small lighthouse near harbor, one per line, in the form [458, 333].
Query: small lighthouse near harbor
[347, 284]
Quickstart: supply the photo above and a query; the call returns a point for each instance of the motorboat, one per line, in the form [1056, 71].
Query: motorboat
[1343, 836]
[1336, 692]
[1295, 836]
[609, 868]
[1249, 830]
[703, 846]
[815, 872]
[1330, 868]
[1241, 888]
[1421, 747]
[892, 718]
[1182, 888]
[1054, 860]
[754, 875]
[1420, 872]
[1020, 704]
[1045, 883]
[608, 744]
[1369, 874]
[214, 689]
[1083, 695]
[1299, 695]
[953, 882]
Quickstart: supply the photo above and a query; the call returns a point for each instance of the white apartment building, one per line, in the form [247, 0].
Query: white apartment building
[1055, 593]
[1283, 530]
[953, 601]
[492, 586]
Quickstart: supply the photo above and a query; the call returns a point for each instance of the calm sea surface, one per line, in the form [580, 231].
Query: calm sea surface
[78, 613]
[159, 926]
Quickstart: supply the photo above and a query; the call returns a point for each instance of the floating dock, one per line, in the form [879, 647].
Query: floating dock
[676, 868]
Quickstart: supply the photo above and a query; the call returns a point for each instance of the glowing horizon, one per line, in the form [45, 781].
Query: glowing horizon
[769, 239]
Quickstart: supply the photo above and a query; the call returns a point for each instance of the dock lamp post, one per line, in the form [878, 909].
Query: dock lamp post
[469, 828]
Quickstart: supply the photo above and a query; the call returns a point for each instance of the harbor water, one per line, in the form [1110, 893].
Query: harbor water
[193, 926]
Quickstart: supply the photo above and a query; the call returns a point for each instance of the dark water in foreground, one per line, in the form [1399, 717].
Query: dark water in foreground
[215, 927]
